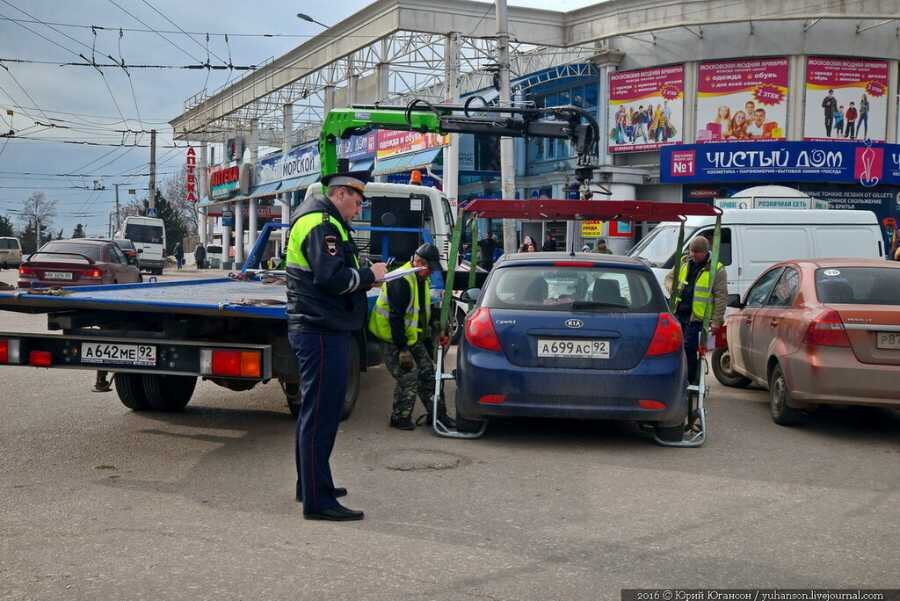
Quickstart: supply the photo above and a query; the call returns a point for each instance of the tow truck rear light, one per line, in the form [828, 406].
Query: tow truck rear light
[9, 351]
[480, 331]
[230, 363]
[40, 358]
[667, 338]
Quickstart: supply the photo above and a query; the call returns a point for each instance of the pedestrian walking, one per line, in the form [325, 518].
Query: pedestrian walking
[200, 256]
[179, 255]
[326, 303]
[402, 322]
[695, 295]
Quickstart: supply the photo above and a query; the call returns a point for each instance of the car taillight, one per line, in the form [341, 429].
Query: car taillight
[480, 331]
[27, 271]
[229, 363]
[667, 338]
[651, 405]
[93, 274]
[492, 399]
[827, 330]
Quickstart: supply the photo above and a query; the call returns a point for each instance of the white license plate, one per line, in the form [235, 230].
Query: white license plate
[889, 340]
[573, 349]
[57, 275]
[121, 354]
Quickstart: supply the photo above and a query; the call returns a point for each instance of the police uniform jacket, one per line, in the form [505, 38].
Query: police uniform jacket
[329, 295]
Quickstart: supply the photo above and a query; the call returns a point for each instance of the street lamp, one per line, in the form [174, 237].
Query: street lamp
[306, 17]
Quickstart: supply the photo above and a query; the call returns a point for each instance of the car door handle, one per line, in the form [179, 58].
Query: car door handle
[774, 323]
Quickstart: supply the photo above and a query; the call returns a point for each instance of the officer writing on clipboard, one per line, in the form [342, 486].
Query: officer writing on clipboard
[326, 293]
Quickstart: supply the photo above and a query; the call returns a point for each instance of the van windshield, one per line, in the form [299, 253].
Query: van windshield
[148, 234]
[659, 245]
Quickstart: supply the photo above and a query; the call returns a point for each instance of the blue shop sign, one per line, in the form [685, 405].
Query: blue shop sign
[356, 148]
[867, 165]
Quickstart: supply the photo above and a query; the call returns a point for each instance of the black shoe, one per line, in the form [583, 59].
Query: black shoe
[335, 514]
[402, 423]
[428, 420]
[339, 491]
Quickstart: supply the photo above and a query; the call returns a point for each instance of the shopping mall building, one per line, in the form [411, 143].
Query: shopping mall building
[696, 100]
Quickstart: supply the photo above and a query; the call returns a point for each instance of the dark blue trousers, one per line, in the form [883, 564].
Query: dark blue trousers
[692, 330]
[323, 360]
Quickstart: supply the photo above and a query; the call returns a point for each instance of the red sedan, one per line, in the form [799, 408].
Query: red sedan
[820, 332]
[77, 263]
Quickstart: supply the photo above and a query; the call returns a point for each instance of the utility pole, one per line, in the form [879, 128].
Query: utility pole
[507, 163]
[118, 225]
[152, 203]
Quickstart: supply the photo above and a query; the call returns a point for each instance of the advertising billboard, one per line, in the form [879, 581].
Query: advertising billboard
[742, 100]
[846, 99]
[391, 143]
[646, 108]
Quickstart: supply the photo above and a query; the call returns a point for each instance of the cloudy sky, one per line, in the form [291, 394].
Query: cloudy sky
[83, 105]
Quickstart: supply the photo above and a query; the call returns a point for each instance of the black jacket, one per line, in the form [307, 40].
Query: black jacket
[332, 296]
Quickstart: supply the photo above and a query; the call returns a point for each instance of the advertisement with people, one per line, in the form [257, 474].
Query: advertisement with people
[646, 108]
[846, 100]
[742, 100]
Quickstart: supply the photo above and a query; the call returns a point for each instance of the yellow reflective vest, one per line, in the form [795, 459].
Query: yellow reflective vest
[703, 294]
[379, 319]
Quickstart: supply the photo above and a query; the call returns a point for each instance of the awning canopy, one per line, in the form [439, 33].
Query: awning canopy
[267, 189]
[406, 162]
[606, 210]
[299, 183]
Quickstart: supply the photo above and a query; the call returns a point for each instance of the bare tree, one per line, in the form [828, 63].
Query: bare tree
[176, 194]
[38, 212]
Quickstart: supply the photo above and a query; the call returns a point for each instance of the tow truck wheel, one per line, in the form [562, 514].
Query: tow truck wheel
[725, 374]
[130, 389]
[168, 393]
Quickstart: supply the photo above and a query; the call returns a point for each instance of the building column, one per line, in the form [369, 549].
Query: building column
[226, 238]
[287, 128]
[352, 81]
[891, 131]
[202, 191]
[451, 152]
[254, 156]
[239, 233]
[797, 97]
[689, 123]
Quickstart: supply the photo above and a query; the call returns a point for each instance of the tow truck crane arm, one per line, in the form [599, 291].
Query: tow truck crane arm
[566, 122]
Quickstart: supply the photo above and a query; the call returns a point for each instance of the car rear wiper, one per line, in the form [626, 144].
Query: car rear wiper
[596, 305]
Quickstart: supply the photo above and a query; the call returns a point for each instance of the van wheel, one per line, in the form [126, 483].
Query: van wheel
[779, 400]
[169, 393]
[725, 374]
[130, 388]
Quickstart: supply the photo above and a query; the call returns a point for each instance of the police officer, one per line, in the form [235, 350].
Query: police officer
[401, 320]
[326, 290]
[695, 295]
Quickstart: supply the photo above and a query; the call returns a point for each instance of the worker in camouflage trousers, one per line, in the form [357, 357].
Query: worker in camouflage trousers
[401, 320]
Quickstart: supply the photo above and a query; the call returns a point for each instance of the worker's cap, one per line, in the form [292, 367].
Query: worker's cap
[351, 179]
[429, 252]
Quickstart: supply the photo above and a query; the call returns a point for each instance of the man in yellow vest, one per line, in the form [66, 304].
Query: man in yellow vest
[695, 296]
[401, 320]
[326, 304]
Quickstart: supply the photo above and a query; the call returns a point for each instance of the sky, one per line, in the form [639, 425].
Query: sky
[83, 105]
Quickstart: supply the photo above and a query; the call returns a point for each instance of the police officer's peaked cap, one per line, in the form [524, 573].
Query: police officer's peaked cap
[429, 252]
[352, 179]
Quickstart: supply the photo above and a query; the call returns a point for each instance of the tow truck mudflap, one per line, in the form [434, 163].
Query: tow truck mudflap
[202, 358]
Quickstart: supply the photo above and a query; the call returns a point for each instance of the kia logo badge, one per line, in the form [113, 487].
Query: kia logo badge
[574, 323]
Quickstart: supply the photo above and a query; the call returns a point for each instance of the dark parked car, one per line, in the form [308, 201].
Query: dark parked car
[575, 336]
[77, 262]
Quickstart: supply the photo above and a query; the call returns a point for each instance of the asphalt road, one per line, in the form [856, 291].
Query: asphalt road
[98, 502]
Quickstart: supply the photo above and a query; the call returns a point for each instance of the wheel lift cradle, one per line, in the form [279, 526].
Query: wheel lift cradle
[575, 210]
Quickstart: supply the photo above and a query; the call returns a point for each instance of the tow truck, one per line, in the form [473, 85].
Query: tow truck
[158, 338]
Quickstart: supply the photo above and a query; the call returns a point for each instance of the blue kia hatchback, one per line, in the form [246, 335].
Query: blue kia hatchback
[572, 336]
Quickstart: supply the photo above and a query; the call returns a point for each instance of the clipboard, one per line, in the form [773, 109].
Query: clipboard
[400, 273]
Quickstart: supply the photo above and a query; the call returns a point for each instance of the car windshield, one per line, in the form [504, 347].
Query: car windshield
[858, 285]
[92, 251]
[556, 288]
[148, 234]
[659, 245]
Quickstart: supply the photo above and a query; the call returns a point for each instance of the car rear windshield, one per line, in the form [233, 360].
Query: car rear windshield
[92, 251]
[148, 234]
[561, 288]
[9, 244]
[858, 285]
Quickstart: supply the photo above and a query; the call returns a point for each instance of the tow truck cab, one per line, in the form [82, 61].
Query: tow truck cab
[400, 206]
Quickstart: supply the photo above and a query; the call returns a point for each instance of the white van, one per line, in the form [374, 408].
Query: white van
[10, 252]
[411, 206]
[754, 239]
[149, 237]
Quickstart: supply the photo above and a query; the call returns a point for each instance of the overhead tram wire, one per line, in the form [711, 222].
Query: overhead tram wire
[116, 65]
[190, 37]
[117, 5]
